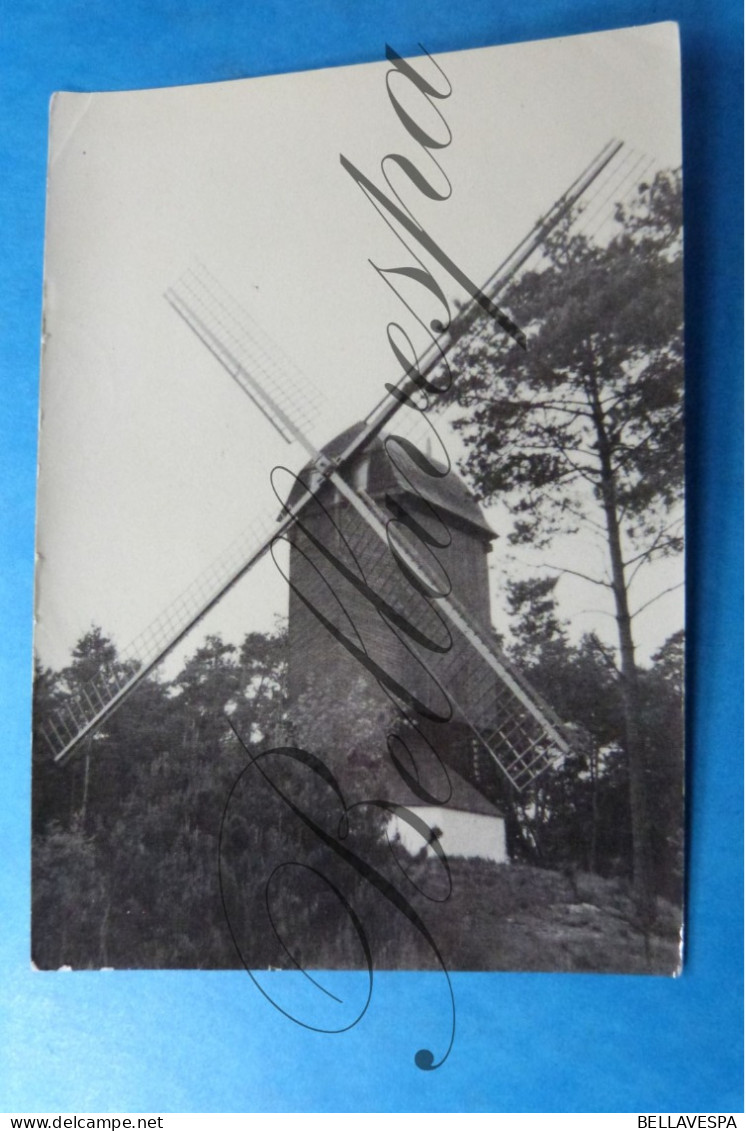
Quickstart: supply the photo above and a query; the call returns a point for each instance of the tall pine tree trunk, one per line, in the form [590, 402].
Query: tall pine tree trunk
[642, 858]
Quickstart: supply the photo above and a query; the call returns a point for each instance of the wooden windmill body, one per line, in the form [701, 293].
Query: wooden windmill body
[319, 667]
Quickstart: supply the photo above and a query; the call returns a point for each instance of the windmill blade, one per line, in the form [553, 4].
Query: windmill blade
[504, 712]
[604, 166]
[271, 379]
[97, 700]
[519, 731]
[511, 721]
[603, 163]
[281, 394]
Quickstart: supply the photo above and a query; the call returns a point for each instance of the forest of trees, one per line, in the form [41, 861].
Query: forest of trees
[581, 435]
[159, 845]
[126, 836]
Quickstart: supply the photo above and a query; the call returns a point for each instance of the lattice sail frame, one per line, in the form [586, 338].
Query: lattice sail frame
[96, 700]
[523, 722]
[518, 733]
[507, 718]
[512, 722]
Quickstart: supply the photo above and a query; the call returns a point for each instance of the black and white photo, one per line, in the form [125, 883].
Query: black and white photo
[359, 599]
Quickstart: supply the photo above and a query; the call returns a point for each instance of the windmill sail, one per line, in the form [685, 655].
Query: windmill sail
[511, 721]
[496, 708]
[504, 713]
[271, 380]
[96, 700]
[518, 723]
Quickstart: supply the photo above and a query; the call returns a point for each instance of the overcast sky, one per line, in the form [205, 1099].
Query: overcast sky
[151, 459]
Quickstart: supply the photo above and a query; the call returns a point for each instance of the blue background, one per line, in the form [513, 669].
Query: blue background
[209, 1042]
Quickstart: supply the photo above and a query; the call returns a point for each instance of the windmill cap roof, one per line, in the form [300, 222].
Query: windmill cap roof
[446, 492]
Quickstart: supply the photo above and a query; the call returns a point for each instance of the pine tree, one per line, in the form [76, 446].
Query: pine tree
[583, 431]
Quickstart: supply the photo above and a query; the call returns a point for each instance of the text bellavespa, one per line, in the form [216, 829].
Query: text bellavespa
[701, 1122]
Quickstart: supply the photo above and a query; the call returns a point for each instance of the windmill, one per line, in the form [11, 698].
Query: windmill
[507, 721]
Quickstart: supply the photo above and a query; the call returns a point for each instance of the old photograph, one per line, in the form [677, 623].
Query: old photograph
[359, 632]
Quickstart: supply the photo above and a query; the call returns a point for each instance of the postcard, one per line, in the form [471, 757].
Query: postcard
[359, 608]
